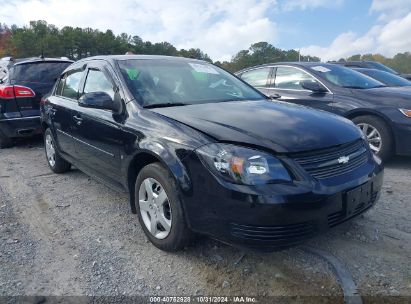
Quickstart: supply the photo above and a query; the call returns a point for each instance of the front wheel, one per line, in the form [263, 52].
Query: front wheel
[159, 208]
[56, 163]
[378, 135]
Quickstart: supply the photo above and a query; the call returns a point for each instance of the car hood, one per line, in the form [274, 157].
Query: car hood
[387, 96]
[278, 126]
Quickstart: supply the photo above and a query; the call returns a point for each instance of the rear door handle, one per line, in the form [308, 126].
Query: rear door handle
[78, 119]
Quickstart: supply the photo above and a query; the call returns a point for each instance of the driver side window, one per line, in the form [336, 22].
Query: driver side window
[290, 78]
[96, 81]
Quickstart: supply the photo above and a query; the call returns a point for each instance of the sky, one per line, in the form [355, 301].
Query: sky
[329, 29]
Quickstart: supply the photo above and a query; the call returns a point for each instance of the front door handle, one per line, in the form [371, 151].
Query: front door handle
[78, 120]
[274, 96]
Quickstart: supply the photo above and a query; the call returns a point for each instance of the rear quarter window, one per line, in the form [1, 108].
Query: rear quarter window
[42, 72]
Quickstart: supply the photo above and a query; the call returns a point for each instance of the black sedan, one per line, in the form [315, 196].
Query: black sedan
[383, 113]
[390, 80]
[200, 151]
[369, 64]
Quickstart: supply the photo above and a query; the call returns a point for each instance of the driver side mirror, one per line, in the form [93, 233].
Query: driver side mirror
[98, 100]
[313, 86]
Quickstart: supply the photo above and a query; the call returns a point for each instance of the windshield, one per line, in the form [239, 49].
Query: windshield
[41, 72]
[388, 79]
[345, 77]
[381, 67]
[182, 82]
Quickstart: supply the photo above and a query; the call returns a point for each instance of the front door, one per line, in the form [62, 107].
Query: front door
[99, 131]
[286, 86]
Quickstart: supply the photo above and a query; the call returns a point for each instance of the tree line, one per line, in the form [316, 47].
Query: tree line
[39, 38]
[75, 43]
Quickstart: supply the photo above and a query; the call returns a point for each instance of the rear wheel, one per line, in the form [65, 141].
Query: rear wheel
[5, 142]
[378, 135]
[56, 163]
[159, 208]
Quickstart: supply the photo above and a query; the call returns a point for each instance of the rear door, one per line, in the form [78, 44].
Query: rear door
[40, 77]
[286, 86]
[60, 109]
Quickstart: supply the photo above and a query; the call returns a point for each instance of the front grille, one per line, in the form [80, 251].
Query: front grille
[326, 163]
[339, 217]
[288, 234]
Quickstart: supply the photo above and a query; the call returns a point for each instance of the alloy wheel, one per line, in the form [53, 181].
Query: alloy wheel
[50, 151]
[372, 135]
[155, 208]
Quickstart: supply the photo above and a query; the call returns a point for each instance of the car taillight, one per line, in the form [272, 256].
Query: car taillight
[9, 92]
[6, 92]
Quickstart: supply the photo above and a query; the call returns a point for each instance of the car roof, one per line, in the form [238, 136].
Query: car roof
[290, 63]
[112, 58]
[37, 60]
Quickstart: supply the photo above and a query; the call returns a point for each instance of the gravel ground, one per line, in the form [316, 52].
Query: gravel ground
[69, 235]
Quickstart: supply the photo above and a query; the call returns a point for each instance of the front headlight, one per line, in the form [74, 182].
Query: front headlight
[406, 112]
[243, 165]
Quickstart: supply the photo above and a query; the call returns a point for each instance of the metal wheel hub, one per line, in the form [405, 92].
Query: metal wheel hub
[372, 135]
[50, 151]
[155, 208]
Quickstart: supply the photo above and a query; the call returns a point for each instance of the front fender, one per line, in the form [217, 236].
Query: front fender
[171, 156]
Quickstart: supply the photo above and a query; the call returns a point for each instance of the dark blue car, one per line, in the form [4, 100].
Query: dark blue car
[383, 113]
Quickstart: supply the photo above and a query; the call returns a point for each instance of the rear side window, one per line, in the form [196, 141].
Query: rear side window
[69, 85]
[257, 77]
[97, 82]
[290, 78]
[42, 72]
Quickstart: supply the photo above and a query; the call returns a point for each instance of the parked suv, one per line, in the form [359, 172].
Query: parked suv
[22, 85]
[198, 150]
[383, 113]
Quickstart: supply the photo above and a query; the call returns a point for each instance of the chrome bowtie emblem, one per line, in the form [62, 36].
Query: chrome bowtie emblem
[343, 159]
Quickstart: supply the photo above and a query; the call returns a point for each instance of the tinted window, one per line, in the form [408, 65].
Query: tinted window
[44, 72]
[69, 85]
[388, 79]
[181, 81]
[257, 77]
[291, 78]
[345, 77]
[97, 82]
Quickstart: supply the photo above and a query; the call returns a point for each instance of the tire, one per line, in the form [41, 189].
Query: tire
[5, 142]
[56, 163]
[386, 149]
[178, 235]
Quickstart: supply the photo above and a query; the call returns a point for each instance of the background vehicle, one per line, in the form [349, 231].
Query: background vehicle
[389, 79]
[369, 64]
[199, 150]
[383, 113]
[24, 83]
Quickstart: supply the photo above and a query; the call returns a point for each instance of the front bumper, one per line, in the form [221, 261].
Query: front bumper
[20, 127]
[276, 216]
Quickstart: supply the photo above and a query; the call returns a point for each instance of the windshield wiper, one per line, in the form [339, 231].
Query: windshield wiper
[164, 105]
